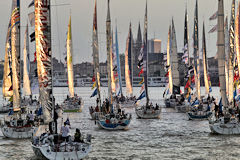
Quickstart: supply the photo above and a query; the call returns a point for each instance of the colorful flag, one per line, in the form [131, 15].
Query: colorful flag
[141, 81]
[94, 85]
[141, 72]
[141, 96]
[94, 93]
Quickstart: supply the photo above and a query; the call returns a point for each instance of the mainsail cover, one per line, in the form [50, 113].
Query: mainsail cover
[15, 47]
[145, 56]
[96, 52]
[128, 63]
[44, 57]
[226, 32]
[26, 65]
[196, 53]
[7, 76]
[70, 60]
[205, 65]
[221, 52]
[231, 51]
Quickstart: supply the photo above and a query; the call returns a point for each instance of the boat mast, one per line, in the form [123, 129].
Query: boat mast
[221, 52]
[96, 53]
[170, 80]
[109, 55]
[196, 53]
[145, 55]
[186, 46]
[226, 32]
[231, 52]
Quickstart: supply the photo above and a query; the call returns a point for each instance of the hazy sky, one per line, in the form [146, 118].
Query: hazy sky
[160, 13]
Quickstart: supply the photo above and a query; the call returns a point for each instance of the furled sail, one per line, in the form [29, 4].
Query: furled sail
[231, 52]
[237, 36]
[221, 52]
[226, 32]
[205, 65]
[96, 52]
[118, 64]
[44, 57]
[26, 65]
[114, 66]
[196, 53]
[7, 75]
[70, 60]
[128, 63]
[109, 54]
[170, 80]
[174, 62]
[15, 47]
[145, 56]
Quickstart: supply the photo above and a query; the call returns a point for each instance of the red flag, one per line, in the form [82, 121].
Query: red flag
[141, 72]
[167, 74]
[193, 79]
[35, 57]
[93, 79]
[187, 84]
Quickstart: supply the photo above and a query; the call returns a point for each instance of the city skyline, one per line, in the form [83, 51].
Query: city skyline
[160, 14]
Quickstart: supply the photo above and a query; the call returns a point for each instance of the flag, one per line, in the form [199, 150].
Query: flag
[93, 79]
[187, 84]
[11, 112]
[94, 93]
[31, 4]
[210, 89]
[214, 29]
[189, 98]
[35, 57]
[141, 81]
[142, 88]
[214, 16]
[235, 93]
[167, 74]
[141, 96]
[39, 111]
[94, 85]
[196, 102]
[11, 88]
[141, 72]
[31, 17]
[11, 99]
[32, 37]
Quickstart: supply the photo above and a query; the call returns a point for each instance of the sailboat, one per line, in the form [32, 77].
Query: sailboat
[115, 118]
[228, 124]
[95, 112]
[147, 111]
[16, 125]
[48, 145]
[198, 111]
[73, 103]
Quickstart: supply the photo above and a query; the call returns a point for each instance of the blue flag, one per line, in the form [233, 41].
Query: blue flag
[189, 98]
[220, 104]
[210, 89]
[39, 111]
[141, 96]
[94, 93]
[235, 93]
[11, 112]
[196, 102]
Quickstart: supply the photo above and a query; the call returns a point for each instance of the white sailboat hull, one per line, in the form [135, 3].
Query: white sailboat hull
[45, 152]
[230, 128]
[148, 114]
[18, 132]
[182, 108]
[128, 104]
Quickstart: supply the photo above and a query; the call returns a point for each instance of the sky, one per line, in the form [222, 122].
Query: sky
[160, 13]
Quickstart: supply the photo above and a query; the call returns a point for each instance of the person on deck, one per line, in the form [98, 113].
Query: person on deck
[65, 132]
[78, 136]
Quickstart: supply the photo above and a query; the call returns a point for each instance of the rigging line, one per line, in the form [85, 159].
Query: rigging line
[58, 32]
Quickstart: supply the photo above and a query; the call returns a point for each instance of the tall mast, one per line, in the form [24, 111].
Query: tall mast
[205, 64]
[109, 54]
[226, 32]
[145, 55]
[118, 63]
[196, 53]
[96, 52]
[231, 51]
[170, 80]
[221, 52]
[44, 57]
[186, 47]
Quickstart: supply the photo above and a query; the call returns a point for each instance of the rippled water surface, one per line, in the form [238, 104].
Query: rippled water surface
[172, 136]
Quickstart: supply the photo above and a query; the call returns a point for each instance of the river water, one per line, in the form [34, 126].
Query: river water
[172, 136]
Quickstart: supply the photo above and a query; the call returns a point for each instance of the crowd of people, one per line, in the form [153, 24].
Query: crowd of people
[74, 99]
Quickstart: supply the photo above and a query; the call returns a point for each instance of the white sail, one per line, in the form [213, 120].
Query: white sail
[226, 32]
[205, 65]
[70, 60]
[96, 51]
[128, 66]
[26, 66]
[170, 80]
[15, 46]
[221, 52]
[196, 53]
[231, 52]
[174, 61]
[7, 76]
[44, 57]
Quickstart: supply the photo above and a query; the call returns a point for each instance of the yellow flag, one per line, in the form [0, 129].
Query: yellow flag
[141, 81]
[94, 85]
[11, 99]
